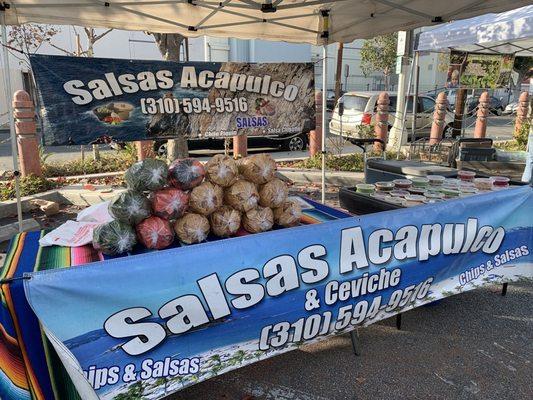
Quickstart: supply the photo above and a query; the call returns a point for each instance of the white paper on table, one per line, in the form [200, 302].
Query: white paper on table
[71, 233]
[95, 213]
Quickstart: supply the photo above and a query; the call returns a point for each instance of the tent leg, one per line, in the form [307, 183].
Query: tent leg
[324, 119]
[13, 138]
[415, 98]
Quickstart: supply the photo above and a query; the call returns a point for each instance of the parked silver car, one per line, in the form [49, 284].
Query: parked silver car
[360, 114]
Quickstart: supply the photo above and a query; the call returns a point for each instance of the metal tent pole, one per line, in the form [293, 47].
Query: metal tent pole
[416, 69]
[13, 137]
[324, 119]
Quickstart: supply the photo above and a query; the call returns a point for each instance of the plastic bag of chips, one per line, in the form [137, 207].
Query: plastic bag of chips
[114, 237]
[147, 174]
[288, 214]
[192, 228]
[130, 207]
[258, 219]
[186, 173]
[225, 221]
[169, 203]
[221, 170]
[206, 198]
[273, 194]
[259, 168]
[155, 233]
[242, 195]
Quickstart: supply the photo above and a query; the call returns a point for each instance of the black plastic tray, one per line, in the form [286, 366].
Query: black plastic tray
[361, 204]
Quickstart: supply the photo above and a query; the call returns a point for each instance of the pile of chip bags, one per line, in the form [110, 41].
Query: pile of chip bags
[189, 201]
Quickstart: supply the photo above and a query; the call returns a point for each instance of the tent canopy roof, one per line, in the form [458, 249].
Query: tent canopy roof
[509, 32]
[285, 20]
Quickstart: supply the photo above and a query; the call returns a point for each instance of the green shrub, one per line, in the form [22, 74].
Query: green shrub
[29, 185]
[522, 134]
[107, 163]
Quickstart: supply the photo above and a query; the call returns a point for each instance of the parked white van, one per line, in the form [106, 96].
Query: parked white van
[360, 114]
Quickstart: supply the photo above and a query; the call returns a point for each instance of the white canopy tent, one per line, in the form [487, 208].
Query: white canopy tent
[509, 32]
[312, 21]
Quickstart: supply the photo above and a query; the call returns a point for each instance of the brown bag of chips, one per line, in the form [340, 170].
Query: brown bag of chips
[288, 214]
[221, 170]
[273, 194]
[258, 219]
[206, 198]
[242, 195]
[259, 168]
[225, 221]
[192, 228]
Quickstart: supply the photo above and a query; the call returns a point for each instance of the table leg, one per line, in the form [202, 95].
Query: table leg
[356, 345]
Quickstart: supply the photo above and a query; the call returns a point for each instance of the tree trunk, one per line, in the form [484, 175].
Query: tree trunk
[169, 45]
[338, 73]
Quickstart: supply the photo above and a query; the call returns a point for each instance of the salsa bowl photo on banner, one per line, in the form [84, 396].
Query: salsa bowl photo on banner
[151, 324]
[95, 100]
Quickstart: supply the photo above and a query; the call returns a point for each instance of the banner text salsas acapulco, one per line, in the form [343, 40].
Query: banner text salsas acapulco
[282, 275]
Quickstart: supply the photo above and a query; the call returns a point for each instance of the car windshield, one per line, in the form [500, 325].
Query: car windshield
[357, 103]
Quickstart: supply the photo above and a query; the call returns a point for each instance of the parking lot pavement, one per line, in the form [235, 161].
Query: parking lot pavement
[476, 345]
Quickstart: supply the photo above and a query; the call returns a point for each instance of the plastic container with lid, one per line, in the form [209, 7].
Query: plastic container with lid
[450, 193]
[365, 188]
[379, 195]
[396, 200]
[467, 176]
[398, 193]
[468, 190]
[384, 186]
[436, 180]
[402, 183]
[483, 183]
[451, 182]
[420, 181]
[434, 195]
[415, 197]
[500, 182]
[415, 190]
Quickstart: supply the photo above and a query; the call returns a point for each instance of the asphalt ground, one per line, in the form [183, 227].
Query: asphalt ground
[476, 345]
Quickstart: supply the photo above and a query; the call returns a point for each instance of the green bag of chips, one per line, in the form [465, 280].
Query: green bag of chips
[113, 238]
[145, 175]
[130, 207]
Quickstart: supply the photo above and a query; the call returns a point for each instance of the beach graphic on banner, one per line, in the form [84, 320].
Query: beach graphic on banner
[154, 323]
[96, 100]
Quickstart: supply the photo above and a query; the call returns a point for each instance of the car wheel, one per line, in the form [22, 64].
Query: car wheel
[161, 149]
[448, 132]
[499, 112]
[295, 143]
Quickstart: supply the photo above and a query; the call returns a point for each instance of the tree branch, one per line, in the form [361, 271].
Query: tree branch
[100, 36]
[69, 53]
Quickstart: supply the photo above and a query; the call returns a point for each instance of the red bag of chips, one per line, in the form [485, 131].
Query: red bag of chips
[170, 203]
[155, 233]
[186, 173]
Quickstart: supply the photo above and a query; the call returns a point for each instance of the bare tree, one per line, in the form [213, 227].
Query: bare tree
[169, 45]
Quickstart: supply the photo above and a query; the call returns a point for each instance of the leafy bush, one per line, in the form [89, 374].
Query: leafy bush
[29, 185]
[522, 134]
[107, 163]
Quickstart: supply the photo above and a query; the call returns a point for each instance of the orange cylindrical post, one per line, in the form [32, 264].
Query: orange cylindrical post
[439, 114]
[521, 111]
[240, 146]
[482, 112]
[26, 130]
[381, 127]
[145, 149]
[315, 136]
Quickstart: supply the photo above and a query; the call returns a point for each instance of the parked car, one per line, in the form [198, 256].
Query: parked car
[511, 108]
[330, 99]
[495, 107]
[360, 113]
[290, 142]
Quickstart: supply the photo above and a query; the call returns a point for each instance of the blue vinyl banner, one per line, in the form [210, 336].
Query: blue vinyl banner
[157, 322]
[96, 100]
